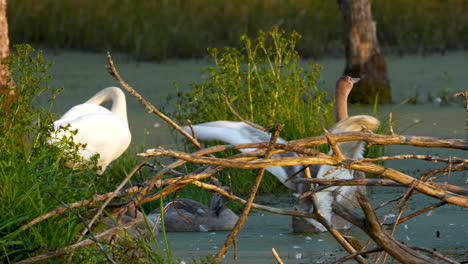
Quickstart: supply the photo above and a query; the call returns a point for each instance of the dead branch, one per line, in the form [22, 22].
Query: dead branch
[113, 71]
[91, 233]
[327, 183]
[370, 224]
[253, 192]
[260, 159]
[276, 255]
[422, 211]
[451, 160]
[234, 112]
[116, 191]
[100, 237]
[433, 253]
[306, 160]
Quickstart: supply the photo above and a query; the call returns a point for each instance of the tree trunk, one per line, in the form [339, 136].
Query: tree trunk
[363, 58]
[4, 52]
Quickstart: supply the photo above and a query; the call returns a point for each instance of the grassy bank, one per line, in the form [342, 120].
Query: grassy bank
[33, 178]
[162, 29]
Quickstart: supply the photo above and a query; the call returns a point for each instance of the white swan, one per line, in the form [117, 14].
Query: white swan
[103, 132]
[238, 133]
[235, 132]
[345, 195]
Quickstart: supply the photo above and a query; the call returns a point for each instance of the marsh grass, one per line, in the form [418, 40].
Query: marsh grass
[34, 178]
[161, 29]
[264, 82]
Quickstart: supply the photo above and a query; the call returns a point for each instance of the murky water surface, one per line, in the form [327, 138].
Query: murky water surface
[84, 74]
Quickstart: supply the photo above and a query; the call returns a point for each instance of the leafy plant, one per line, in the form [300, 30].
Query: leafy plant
[33, 175]
[266, 84]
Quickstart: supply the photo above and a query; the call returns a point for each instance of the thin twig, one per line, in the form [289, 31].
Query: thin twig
[408, 217]
[58, 252]
[291, 161]
[116, 191]
[148, 105]
[336, 150]
[91, 233]
[276, 255]
[234, 112]
[242, 219]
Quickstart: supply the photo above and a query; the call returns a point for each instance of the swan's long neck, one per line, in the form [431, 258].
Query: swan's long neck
[114, 94]
[342, 92]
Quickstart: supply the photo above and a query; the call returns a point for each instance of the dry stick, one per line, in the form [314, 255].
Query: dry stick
[404, 199]
[290, 161]
[362, 253]
[58, 252]
[91, 233]
[254, 205]
[327, 183]
[435, 254]
[152, 108]
[437, 171]
[370, 225]
[336, 150]
[253, 192]
[277, 257]
[450, 161]
[406, 218]
[454, 160]
[337, 154]
[233, 111]
[287, 147]
[116, 191]
[88, 202]
[376, 139]
[148, 105]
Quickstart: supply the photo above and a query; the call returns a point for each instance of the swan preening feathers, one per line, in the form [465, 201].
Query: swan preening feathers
[239, 133]
[102, 131]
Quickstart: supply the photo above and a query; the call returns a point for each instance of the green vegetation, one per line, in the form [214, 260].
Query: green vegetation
[165, 29]
[265, 84]
[33, 177]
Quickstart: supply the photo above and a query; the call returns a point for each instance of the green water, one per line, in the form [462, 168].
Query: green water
[84, 74]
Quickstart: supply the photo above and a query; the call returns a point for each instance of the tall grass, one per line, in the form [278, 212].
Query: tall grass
[161, 29]
[33, 178]
[265, 84]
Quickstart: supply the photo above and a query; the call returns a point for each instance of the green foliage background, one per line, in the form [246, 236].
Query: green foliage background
[162, 29]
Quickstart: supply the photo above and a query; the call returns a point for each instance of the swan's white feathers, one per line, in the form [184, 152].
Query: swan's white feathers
[102, 131]
[235, 133]
[350, 149]
[240, 133]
